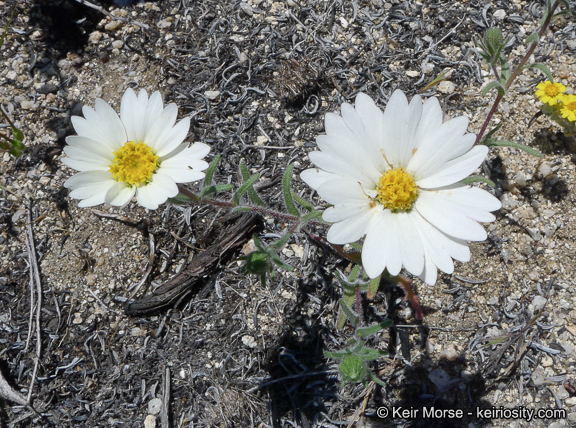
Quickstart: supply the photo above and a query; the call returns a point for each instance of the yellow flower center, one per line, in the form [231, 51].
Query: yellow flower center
[571, 106]
[552, 90]
[134, 164]
[397, 190]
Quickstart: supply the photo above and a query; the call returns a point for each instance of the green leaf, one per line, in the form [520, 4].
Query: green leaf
[505, 70]
[281, 264]
[307, 205]
[280, 243]
[256, 263]
[210, 171]
[286, 181]
[438, 79]
[244, 188]
[501, 143]
[375, 379]
[337, 355]
[353, 317]
[494, 85]
[7, 26]
[352, 368]
[354, 273]
[532, 38]
[543, 69]
[373, 287]
[181, 199]
[477, 178]
[314, 215]
[493, 131]
[256, 200]
[214, 189]
[494, 37]
[369, 354]
[367, 331]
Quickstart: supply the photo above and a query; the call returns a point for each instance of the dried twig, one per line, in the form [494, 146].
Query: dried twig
[34, 283]
[165, 413]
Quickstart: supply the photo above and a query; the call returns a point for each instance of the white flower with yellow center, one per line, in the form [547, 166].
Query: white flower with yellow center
[393, 177]
[141, 153]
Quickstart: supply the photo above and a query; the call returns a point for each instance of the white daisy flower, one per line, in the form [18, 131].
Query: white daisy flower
[393, 177]
[141, 153]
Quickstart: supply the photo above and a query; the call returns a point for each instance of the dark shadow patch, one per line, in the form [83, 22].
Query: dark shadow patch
[299, 381]
[65, 25]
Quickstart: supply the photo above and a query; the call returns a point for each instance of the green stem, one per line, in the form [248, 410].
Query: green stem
[518, 70]
[256, 209]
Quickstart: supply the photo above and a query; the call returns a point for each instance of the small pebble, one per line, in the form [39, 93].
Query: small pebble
[446, 87]
[212, 95]
[113, 26]
[150, 421]
[154, 406]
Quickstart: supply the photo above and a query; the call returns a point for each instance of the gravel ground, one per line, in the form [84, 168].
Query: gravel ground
[256, 78]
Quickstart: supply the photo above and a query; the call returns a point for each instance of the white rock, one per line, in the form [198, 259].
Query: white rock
[446, 87]
[212, 95]
[150, 421]
[154, 406]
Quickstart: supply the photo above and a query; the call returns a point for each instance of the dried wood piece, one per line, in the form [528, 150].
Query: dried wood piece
[202, 266]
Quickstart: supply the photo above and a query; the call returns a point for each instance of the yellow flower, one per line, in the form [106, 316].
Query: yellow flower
[549, 92]
[567, 107]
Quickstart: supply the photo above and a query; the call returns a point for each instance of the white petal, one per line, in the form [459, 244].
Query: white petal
[86, 155]
[88, 178]
[79, 165]
[339, 166]
[408, 139]
[350, 229]
[181, 175]
[157, 191]
[112, 137]
[353, 155]
[133, 109]
[315, 177]
[410, 244]
[449, 216]
[365, 139]
[394, 127]
[456, 169]
[440, 146]
[145, 197]
[119, 195]
[372, 118]
[90, 186]
[380, 246]
[171, 138]
[341, 212]
[341, 190]
[95, 148]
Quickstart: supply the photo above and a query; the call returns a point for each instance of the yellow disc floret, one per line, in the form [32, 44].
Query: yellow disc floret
[134, 164]
[549, 92]
[397, 190]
